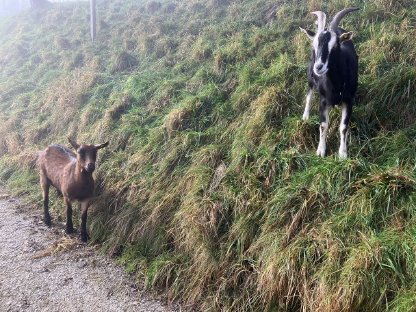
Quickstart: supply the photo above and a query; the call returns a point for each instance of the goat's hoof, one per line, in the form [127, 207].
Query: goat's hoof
[47, 221]
[320, 152]
[69, 230]
[305, 117]
[84, 237]
[342, 155]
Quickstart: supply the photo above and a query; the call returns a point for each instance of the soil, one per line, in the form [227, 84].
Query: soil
[42, 269]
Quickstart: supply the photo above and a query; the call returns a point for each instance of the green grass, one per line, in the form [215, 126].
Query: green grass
[210, 190]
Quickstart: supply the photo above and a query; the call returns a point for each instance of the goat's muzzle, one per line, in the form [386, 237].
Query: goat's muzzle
[320, 69]
[90, 168]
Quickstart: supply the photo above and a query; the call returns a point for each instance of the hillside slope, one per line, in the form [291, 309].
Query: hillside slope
[210, 189]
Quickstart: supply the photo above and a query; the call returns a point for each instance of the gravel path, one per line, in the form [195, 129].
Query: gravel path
[41, 269]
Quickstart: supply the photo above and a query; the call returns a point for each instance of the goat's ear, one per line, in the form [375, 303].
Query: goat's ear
[74, 144]
[101, 145]
[308, 33]
[345, 37]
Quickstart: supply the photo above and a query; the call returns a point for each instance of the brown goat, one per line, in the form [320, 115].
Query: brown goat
[71, 175]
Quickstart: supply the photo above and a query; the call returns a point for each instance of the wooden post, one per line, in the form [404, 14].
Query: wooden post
[93, 13]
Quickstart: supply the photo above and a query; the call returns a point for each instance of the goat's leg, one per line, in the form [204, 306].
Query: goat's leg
[45, 192]
[308, 104]
[323, 128]
[84, 207]
[343, 129]
[69, 225]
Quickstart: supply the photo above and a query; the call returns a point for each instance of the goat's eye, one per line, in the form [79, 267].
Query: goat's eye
[81, 152]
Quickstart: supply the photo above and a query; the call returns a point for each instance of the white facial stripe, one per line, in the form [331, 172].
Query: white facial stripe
[320, 67]
[332, 42]
[315, 43]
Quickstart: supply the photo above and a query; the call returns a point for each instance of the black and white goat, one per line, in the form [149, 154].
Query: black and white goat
[333, 72]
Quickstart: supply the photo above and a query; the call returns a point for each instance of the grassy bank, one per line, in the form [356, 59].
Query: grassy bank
[210, 189]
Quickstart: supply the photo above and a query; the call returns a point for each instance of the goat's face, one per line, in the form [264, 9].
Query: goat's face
[325, 41]
[323, 45]
[87, 155]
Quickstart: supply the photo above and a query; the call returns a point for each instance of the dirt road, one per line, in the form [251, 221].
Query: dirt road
[43, 270]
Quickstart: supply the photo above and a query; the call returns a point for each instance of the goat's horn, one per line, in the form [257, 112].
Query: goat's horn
[338, 17]
[321, 20]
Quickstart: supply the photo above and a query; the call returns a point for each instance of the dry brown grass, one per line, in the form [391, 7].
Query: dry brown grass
[61, 245]
[65, 97]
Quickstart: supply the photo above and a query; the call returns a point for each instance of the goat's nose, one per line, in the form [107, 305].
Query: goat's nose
[90, 167]
[319, 67]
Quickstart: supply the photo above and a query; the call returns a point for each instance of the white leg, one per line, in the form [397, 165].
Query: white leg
[308, 105]
[323, 130]
[343, 131]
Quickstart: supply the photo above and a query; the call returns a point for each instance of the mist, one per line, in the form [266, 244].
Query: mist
[12, 7]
